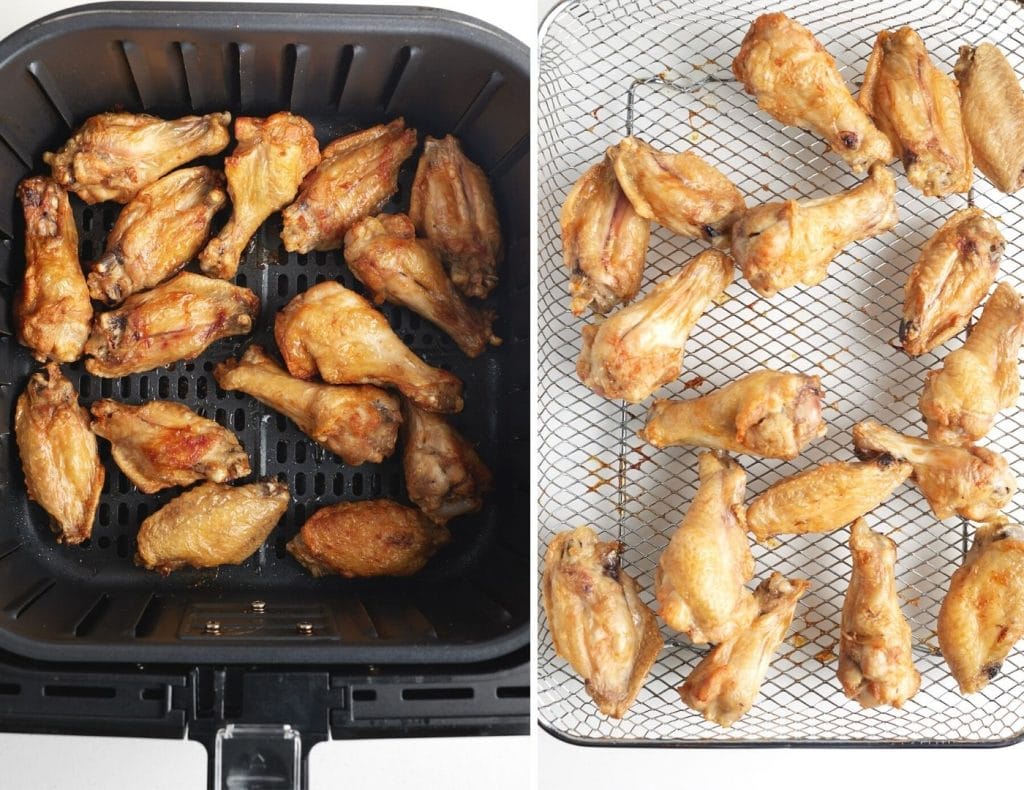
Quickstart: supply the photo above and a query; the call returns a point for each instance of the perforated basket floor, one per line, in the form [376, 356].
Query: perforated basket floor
[593, 468]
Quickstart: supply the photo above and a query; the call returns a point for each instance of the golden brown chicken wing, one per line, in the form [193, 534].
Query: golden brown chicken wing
[640, 347]
[115, 154]
[596, 618]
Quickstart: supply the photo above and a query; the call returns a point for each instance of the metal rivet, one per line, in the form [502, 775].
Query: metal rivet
[304, 628]
[212, 627]
[259, 606]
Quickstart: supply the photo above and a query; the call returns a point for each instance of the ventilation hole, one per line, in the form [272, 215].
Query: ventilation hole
[321, 259]
[104, 541]
[513, 692]
[408, 338]
[302, 258]
[401, 61]
[125, 385]
[374, 484]
[141, 511]
[221, 416]
[279, 547]
[182, 387]
[208, 366]
[144, 388]
[86, 251]
[123, 546]
[281, 422]
[282, 285]
[80, 692]
[153, 694]
[436, 694]
[301, 282]
[10, 689]
[300, 484]
[320, 278]
[341, 75]
[338, 484]
[201, 387]
[482, 99]
[319, 484]
[357, 484]
[300, 453]
[240, 280]
[239, 421]
[364, 695]
[21, 603]
[93, 616]
[149, 618]
[123, 486]
[282, 452]
[85, 386]
[109, 215]
[395, 484]
[163, 387]
[107, 387]
[122, 513]
[87, 220]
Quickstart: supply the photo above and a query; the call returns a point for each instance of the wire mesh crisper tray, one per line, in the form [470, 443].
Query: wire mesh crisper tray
[595, 470]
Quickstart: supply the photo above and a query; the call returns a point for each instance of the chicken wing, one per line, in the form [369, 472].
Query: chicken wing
[175, 321]
[793, 78]
[335, 332]
[52, 309]
[956, 268]
[162, 444]
[58, 454]
[876, 666]
[356, 176]
[596, 618]
[115, 154]
[725, 684]
[157, 233]
[918, 108]
[640, 347]
[264, 172]
[372, 537]
[357, 422]
[961, 399]
[385, 256]
[766, 413]
[778, 245]
[452, 205]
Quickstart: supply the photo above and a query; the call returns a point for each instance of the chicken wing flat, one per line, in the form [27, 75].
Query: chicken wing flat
[372, 537]
[115, 154]
[596, 618]
[725, 684]
[640, 347]
[162, 444]
[793, 78]
[175, 321]
[960, 400]
[58, 454]
[335, 332]
[357, 422]
[52, 309]
[385, 255]
[766, 413]
[356, 176]
[876, 666]
[778, 245]
[157, 233]
[604, 242]
[918, 108]
[264, 172]
[956, 268]
[452, 205]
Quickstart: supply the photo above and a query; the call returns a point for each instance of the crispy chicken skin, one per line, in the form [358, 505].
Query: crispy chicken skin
[604, 242]
[209, 525]
[778, 245]
[160, 230]
[58, 454]
[639, 348]
[264, 172]
[917, 107]
[162, 444]
[951, 277]
[52, 309]
[115, 154]
[993, 109]
[701, 575]
[725, 684]
[385, 256]
[452, 206]
[372, 537]
[357, 422]
[793, 78]
[767, 413]
[960, 400]
[596, 618]
[175, 321]
[876, 666]
[982, 615]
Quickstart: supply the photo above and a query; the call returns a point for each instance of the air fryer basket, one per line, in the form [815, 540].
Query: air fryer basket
[595, 470]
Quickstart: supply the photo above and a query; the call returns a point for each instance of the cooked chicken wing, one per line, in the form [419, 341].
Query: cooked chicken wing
[956, 268]
[793, 78]
[779, 245]
[640, 347]
[358, 422]
[58, 454]
[452, 206]
[357, 175]
[766, 413]
[372, 537]
[725, 684]
[385, 256]
[175, 321]
[162, 444]
[961, 399]
[52, 309]
[264, 172]
[335, 332]
[115, 154]
[157, 233]
[596, 618]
